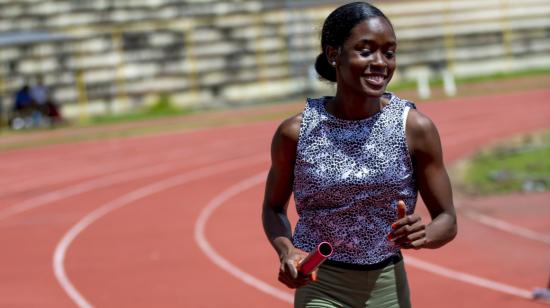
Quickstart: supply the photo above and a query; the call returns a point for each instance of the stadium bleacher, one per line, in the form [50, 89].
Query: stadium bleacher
[125, 53]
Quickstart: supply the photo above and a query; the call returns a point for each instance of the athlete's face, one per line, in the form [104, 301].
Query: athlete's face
[366, 61]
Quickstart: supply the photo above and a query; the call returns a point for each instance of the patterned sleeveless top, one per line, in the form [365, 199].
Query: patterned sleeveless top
[348, 177]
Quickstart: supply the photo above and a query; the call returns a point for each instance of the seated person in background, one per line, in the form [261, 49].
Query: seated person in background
[23, 101]
[22, 109]
[40, 95]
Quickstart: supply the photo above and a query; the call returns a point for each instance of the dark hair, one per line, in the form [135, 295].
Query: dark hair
[337, 28]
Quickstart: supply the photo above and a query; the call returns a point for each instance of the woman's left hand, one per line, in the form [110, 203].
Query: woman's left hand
[408, 231]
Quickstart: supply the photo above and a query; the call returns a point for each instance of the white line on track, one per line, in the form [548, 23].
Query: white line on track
[467, 278]
[232, 269]
[507, 227]
[110, 167]
[220, 261]
[80, 226]
[97, 183]
[73, 175]
[67, 192]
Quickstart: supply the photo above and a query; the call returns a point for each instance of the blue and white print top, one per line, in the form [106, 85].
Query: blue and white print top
[348, 177]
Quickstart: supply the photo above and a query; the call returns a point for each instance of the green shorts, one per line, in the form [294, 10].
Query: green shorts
[338, 287]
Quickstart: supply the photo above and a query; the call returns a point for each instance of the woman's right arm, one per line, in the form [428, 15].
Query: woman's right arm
[277, 194]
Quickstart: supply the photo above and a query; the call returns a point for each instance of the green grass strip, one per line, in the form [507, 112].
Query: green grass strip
[515, 166]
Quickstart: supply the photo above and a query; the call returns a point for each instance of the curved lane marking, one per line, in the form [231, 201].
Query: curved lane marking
[104, 181]
[467, 278]
[502, 225]
[58, 178]
[220, 261]
[67, 192]
[507, 227]
[62, 247]
[111, 167]
[232, 269]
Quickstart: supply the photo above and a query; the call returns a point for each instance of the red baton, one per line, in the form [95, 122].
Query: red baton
[315, 258]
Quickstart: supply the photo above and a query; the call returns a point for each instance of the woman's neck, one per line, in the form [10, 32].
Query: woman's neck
[353, 107]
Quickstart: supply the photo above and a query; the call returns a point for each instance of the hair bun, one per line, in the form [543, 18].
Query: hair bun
[324, 69]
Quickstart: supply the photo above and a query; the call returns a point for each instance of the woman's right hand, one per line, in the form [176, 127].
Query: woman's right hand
[288, 271]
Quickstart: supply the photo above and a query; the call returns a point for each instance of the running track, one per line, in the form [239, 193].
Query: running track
[174, 220]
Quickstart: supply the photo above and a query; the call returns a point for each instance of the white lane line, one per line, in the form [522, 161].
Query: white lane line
[232, 269]
[67, 192]
[127, 165]
[68, 238]
[467, 278]
[71, 173]
[220, 261]
[508, 227]
[104, 181]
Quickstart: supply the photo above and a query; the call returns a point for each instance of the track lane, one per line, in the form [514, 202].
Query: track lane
[180, 272]
[22, 232]
[47, 168]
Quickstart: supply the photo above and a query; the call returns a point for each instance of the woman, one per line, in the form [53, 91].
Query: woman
[354, 162]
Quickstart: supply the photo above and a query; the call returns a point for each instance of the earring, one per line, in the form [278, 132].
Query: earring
[333, 63]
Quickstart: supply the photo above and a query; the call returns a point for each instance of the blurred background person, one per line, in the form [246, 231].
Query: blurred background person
[40, 95]
[22, 102]
[48, 111]
[22, 108]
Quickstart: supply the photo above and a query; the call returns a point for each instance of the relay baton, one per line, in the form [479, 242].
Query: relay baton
[315, 258]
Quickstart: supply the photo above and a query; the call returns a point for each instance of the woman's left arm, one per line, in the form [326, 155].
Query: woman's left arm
[434, 187]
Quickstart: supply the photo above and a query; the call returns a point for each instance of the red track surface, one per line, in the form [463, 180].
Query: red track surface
[142, 251]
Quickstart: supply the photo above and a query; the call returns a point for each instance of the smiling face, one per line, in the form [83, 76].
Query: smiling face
[366, 61]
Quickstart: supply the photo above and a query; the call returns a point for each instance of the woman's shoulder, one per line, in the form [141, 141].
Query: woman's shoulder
[290, 127]
[419, 123]
[421, 132]
[285, 140]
